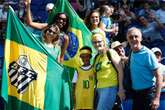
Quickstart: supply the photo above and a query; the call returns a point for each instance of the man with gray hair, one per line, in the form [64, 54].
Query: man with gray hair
[144, 69]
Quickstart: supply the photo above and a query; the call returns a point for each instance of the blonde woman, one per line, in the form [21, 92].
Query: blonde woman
[109, 74]
[50, 39]
[61, 20]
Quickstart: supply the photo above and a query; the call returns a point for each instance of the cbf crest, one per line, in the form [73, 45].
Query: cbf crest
[21, 73]
[98, 66]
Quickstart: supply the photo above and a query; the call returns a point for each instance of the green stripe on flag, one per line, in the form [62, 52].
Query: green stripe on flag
[77, 30]
[4, 85]
[31, 69]
[16, 28]
[16, 104]
[74, 20]
[56, 88]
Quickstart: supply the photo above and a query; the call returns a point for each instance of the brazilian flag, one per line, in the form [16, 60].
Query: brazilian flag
[32, 79]
[78, 33]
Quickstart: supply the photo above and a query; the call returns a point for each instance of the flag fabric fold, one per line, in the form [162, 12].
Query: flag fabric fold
[78, 33]
[31, 78]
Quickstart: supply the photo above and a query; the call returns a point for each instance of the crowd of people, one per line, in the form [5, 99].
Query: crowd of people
[128, 70]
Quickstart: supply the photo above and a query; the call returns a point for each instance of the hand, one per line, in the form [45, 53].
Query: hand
[121, 94]
[61, 60]
[27, 2]
[155, 104]
[124, 58]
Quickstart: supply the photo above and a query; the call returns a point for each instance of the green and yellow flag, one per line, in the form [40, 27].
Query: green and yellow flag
[78, 33]
[32, 79]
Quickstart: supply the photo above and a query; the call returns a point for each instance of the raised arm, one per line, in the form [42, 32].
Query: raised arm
[103, 27]
[29, 20]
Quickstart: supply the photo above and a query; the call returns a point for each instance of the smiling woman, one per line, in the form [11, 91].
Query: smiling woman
[51, 34]
[108, 79]
[60, 19]
[50, 40]
[92, 21]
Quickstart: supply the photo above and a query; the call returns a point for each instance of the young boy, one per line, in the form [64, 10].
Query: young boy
[84, 81]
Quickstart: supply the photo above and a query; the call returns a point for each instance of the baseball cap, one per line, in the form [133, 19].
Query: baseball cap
[115, 44]
[49, 6]
[156, 49]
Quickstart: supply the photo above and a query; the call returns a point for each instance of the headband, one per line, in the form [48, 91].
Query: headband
[85, 51]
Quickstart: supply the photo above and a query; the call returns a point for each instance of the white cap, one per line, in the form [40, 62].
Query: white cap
[115, 44]
[49, 6]
[156, 49]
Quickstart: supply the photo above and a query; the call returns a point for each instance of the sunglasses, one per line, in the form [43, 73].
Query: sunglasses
[60, 18]
[51, 31]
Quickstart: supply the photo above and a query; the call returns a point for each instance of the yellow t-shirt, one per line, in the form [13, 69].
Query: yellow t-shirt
[85, 88]
[106, 73]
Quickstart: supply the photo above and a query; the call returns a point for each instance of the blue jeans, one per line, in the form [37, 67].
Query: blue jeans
[106, 98]
[127, 104]
[162, 101]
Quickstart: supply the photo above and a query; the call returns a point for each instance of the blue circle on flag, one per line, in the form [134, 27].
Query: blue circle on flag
[72, 47]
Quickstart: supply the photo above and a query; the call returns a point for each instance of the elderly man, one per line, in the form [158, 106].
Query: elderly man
[144, 70]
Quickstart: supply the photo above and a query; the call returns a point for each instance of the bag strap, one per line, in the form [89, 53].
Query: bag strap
[94, 65]
[95, 58]
[110, 59]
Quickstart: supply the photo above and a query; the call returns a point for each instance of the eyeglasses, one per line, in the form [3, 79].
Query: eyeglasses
[51, 31]
[95, 42]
